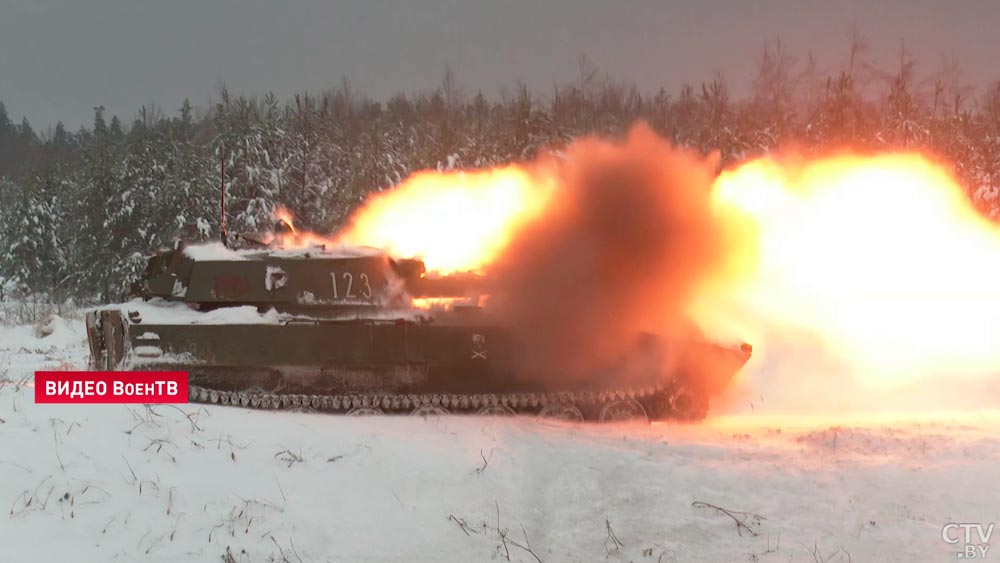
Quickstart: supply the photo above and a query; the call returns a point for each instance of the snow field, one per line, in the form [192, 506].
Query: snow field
[193, 483]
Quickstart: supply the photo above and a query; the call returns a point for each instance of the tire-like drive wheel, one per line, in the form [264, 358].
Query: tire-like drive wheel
[429, 410]
[623, 410]
[561, 411]
[687, 405]
[365, 411]
[496, 410]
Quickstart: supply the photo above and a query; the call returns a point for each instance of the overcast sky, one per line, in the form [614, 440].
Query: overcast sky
[61, 58]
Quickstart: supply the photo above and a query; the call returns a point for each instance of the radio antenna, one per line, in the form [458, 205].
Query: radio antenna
[222, 166]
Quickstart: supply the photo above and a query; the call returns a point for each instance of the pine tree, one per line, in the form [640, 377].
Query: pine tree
[115, 131]
[902, 120]
[35, 256]
[100, 237]
[257, 167]
[192, 183]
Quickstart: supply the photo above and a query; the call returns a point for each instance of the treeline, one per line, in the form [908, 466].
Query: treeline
[80, 210]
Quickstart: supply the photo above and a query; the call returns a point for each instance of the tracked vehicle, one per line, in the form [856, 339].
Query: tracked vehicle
[353, 330]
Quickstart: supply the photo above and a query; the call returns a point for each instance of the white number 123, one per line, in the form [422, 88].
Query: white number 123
[348, 277]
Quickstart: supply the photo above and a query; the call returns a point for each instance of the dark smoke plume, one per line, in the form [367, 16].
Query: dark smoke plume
[627, 238]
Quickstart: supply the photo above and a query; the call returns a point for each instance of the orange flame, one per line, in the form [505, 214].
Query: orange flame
[876, 269]
[882, 260]
[284, 215]
[454, 221]
[294, 237]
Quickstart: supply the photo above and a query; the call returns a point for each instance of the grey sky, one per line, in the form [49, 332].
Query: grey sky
[60, 58]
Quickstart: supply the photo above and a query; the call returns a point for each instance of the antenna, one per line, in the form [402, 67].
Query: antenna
[222, 164]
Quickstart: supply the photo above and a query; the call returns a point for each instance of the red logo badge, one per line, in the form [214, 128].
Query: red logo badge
[111, 387]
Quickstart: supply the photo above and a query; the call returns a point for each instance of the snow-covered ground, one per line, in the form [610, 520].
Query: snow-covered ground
[113, 483]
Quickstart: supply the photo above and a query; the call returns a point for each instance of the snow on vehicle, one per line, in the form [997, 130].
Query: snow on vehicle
[349, 330]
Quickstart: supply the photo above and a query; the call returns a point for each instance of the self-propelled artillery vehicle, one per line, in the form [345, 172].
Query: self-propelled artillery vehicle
[353, 330]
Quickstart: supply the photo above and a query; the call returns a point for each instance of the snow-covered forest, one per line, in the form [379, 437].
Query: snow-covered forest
[79, 210]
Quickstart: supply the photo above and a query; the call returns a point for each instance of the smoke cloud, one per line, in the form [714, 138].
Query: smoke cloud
[625, 241]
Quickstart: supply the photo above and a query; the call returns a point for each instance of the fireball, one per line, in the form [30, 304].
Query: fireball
[881, 258]
[284, 215]
[454, 221]
[873, 268]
